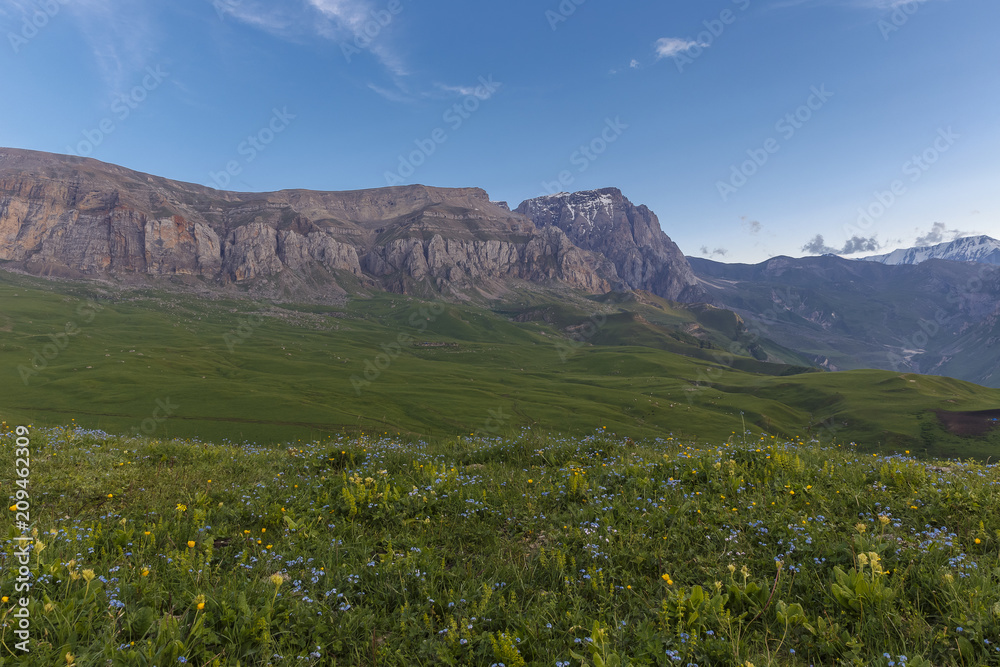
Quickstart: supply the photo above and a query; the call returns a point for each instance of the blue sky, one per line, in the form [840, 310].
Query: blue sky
[751, 127]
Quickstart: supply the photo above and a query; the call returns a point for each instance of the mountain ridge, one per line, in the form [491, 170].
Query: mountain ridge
[81, 218]
[937, 317]
[981, 249]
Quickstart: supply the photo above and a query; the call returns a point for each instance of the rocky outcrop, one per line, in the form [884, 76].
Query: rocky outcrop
[175, 245]
[258, 250]
[547, 256]
[606, 222]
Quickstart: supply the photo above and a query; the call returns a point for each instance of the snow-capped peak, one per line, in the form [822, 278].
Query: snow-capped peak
[585, 209]
[981, 249]
[580, 207]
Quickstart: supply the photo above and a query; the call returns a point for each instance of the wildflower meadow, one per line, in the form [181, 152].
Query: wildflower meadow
[529, 549]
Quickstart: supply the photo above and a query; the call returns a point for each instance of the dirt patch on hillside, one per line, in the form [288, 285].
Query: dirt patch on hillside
[976, 423]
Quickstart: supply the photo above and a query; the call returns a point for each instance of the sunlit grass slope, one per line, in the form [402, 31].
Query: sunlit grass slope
[530, 550]
[165, 364]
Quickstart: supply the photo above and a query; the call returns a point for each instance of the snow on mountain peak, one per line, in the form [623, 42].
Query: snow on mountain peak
[583, 206]
[981, 249]
[589, 206]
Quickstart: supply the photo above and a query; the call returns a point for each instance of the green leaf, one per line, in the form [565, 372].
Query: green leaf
[697, 596]
[966, 649]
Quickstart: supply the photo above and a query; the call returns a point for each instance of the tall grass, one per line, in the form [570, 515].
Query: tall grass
[528, 550]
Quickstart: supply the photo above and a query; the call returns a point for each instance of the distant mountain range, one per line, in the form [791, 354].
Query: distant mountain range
[981, 249]
[78, 218]
[937, 317]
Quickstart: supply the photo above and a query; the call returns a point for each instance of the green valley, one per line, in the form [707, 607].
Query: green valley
[175, 364]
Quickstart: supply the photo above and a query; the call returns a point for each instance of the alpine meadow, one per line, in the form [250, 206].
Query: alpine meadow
[373, 333]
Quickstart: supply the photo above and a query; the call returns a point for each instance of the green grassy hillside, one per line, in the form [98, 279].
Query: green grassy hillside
[174, 365]
[478, 552]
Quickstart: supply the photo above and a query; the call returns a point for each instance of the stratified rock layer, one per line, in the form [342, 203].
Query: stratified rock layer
[77, 217]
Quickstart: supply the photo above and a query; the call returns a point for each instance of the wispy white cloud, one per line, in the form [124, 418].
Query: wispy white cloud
[118, 32]
[462, 91]
[667, 47]
[717, 252]
[881, 5]
[274, 20]
[353, 24]
[889, 4]
[357, 18]
[120, 36]
[12, 8]
[854, 245]
[350, 23]
[391, 95]
[939, 233]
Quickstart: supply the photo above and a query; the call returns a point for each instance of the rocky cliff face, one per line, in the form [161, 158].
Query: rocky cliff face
[606, 222]
[76, 217]
[547, 256]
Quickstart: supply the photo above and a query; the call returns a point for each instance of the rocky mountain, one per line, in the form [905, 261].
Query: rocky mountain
[981, 249]
[937, 317]
[606, 222]
[78, 218]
